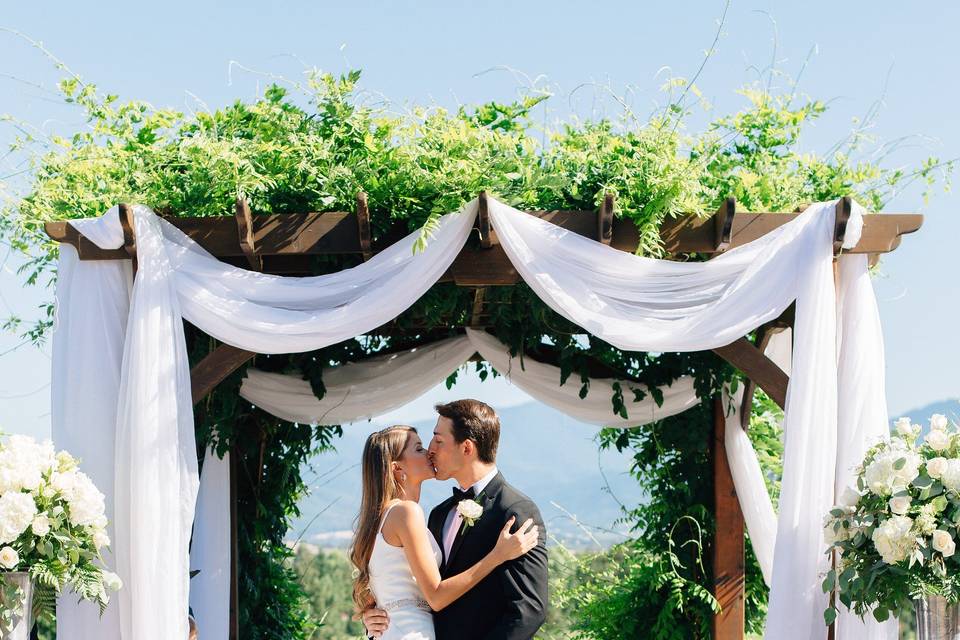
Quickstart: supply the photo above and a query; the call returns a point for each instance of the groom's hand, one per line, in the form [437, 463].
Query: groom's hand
[376, 621]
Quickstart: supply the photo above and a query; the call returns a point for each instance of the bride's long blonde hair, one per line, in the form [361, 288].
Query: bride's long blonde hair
[380, 486]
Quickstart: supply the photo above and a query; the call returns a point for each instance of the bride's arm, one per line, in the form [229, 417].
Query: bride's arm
[410, 528]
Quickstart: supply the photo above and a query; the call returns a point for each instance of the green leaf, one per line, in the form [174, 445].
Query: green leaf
[829, 616]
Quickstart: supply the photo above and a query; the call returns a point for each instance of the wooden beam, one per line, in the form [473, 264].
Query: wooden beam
[477, 310]
[128, 224]
[245, 234]
[214, 368]
[723, 225]
[605, 220]
[755, 365]
[363, 226]
[483, 220]
[729, 581]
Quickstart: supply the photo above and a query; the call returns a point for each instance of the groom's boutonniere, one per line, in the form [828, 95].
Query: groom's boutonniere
[470, 511]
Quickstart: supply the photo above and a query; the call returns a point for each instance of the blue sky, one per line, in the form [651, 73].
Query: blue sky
[188, 54]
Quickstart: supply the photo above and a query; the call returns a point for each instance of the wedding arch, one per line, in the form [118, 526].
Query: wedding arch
[123, 392]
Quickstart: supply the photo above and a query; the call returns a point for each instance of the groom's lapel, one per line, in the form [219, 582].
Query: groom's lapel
[486, 498]
[437, 518]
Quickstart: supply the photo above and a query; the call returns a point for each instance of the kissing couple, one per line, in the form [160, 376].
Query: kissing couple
[477, 569]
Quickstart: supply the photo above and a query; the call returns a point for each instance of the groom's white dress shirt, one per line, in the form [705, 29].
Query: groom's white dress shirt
[454, 519]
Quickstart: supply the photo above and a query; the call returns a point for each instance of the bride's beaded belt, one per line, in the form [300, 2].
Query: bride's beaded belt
[419, 603]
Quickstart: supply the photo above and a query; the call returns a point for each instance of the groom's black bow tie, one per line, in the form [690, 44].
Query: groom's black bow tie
[459, 495]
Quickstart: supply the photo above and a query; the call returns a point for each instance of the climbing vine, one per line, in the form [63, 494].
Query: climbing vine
[312, 147]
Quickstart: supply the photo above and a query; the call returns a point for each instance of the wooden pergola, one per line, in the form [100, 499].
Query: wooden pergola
[287, 244]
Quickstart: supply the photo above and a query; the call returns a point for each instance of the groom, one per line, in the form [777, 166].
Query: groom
[510, 603]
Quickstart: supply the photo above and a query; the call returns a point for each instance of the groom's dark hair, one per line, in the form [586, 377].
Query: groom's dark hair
[474, 420]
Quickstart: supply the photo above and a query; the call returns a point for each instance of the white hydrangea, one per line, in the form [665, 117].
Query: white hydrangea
[85, 503]
[951, 475]
[23, 461]
[17, 510]
[894, 539]
[881, 476]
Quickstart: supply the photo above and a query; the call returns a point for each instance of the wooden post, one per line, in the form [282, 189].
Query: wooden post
[129, 234]
[245, 234]
[234, 552]
[363, 225]
[723, 225]
[483, 221]
[605, 220]
[728, 543]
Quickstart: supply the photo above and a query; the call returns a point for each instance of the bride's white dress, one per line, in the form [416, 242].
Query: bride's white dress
[397, 592]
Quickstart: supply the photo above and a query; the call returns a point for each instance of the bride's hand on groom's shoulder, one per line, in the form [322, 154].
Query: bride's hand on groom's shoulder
[513, 545]
[376, 621]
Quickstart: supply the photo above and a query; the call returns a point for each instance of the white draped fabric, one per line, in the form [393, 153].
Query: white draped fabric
[210, 550]
[89, 329]
[155, 478]
[360, 390]
[632, 302]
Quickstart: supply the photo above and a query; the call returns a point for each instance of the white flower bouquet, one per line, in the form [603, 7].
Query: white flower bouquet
[892, 539]
[52, 526]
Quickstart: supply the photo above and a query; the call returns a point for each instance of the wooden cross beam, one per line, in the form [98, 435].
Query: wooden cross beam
[286, 242]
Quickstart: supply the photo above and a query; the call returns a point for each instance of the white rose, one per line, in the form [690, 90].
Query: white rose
[17, 510]
[943, 542]
[893, 539]
[938, 422]
[40, 525]
[951, 475]
[900, 505]
[936, 467]
[903, 427]
[9, 558]
[469, 510]
[938, 439]
[849, 497]
[112, 581]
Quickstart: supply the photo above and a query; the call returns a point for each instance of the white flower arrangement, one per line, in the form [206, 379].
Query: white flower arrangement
[52, 525]
[893, 537]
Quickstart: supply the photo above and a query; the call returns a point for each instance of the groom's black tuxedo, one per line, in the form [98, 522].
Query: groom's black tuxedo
[510, 603]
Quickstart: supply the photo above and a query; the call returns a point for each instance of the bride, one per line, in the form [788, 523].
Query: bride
[396, 556]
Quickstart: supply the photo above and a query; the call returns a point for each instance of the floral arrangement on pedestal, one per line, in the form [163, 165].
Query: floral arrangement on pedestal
[52, 528]
[893, 537]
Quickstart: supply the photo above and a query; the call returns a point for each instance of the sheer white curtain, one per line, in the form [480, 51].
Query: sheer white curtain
[632, 302]
[210, 552]
[154, 466]
[88, 334]
[650, 305]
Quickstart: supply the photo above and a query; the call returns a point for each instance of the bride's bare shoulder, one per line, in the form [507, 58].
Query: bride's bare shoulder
[405, 511]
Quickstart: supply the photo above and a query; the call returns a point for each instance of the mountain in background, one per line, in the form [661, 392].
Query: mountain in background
[543, 453]
[921, 415]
